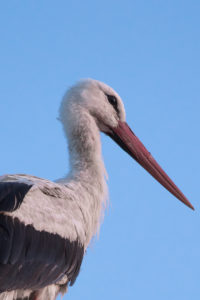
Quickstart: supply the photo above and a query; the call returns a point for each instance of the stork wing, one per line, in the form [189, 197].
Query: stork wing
[32, 258]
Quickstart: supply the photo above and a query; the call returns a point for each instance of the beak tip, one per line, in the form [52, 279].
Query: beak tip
[189, 205]
[192, 207]
[186, 202]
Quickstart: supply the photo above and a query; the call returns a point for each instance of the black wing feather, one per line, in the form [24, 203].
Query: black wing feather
[12, 195]
[32, 259]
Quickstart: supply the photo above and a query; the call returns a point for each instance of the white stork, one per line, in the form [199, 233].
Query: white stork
[46, 227]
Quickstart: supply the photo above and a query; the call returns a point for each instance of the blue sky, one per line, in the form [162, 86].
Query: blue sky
[149, 244]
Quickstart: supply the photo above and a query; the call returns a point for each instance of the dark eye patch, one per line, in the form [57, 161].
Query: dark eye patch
[113, 101]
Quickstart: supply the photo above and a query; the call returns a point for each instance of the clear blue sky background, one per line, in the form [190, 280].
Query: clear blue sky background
[149, 245]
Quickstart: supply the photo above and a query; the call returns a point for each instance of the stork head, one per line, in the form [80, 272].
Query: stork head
[107, 109]
[97, 98]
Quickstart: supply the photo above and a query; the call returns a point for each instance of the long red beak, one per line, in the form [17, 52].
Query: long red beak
[127, 140]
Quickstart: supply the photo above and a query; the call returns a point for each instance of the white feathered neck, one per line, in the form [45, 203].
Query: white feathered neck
[87, 172]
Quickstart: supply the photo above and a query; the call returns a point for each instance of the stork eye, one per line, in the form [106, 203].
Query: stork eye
[112, 99]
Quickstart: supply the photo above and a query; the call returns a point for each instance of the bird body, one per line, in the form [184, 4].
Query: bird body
[55, 227]
[46, 227]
